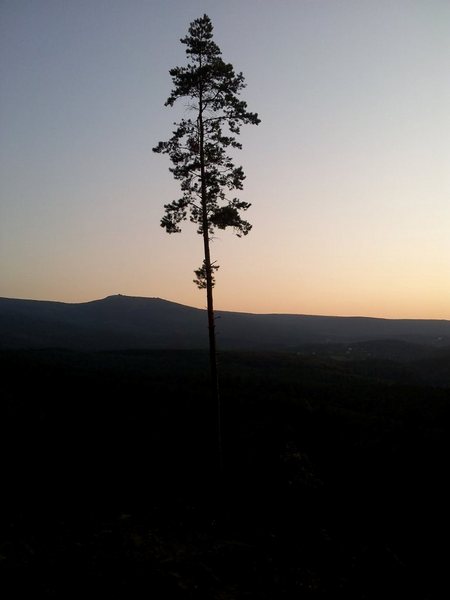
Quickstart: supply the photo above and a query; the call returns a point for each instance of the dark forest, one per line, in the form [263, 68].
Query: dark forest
[334, 480]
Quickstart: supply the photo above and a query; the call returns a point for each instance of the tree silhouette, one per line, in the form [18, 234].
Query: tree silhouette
[198, 151]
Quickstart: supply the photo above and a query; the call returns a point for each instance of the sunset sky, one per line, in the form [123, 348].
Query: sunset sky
[348, 173]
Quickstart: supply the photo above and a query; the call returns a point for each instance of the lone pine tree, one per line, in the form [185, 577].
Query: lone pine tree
[198, 151]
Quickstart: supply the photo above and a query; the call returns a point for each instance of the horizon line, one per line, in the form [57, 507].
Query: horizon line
[292, 314]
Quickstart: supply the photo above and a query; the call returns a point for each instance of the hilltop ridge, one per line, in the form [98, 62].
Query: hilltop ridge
[126, 322]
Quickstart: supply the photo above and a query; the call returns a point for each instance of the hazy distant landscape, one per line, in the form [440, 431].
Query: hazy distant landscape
[122, 322]
[397, 350]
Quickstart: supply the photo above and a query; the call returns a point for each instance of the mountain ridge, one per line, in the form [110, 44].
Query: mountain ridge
[126, 297]
[119, 322]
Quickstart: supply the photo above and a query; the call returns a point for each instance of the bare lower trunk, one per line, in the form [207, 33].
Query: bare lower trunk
[213, 351]
[209, 290]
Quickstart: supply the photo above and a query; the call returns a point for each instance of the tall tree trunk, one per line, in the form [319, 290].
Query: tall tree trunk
[209, 293]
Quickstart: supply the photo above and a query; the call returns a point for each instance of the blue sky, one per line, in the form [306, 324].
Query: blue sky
[348, 173]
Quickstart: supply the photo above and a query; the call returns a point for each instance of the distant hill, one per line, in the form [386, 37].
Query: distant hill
[123, 322]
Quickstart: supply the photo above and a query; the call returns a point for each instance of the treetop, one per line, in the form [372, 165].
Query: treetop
[198, 146]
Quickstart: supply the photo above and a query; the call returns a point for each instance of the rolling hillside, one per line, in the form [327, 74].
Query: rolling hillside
[122, 322]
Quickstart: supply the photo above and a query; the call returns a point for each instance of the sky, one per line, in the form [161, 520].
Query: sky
[348, 173]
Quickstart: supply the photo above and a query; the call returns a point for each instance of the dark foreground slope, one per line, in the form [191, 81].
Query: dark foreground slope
[334, 484]
[121, 322]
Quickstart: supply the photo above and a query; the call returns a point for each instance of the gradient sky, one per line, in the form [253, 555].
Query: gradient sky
[348, 173]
